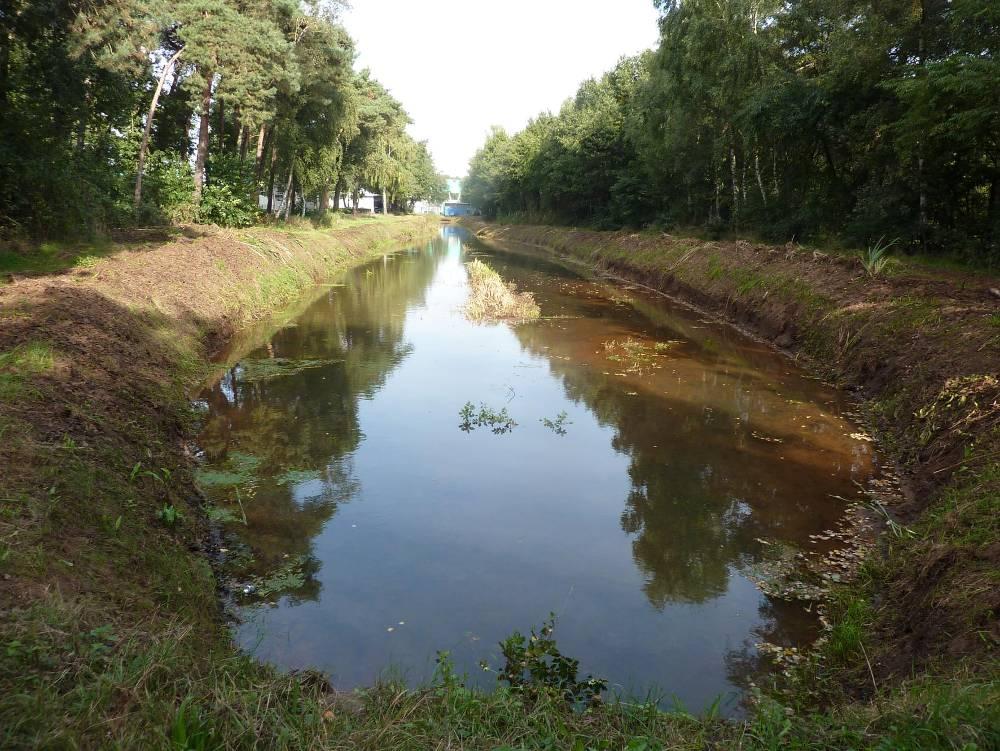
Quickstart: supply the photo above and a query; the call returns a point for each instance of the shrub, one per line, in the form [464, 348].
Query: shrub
[221, 205]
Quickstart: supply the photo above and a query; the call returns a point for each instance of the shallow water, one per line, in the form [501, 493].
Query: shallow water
[686, 454]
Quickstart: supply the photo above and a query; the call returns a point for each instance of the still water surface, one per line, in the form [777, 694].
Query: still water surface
[684, 445]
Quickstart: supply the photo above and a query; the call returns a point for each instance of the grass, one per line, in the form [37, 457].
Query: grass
[52, 257]
[111, 634]
[492, 299]
[876, 259]
[18, 365]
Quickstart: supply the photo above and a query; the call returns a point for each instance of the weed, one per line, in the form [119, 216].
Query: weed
[876, 258]
[220, 514]
[191, 731]
[845, 636]
[20, 364]
[86, 262]
[170, 516]
[292, 575]
[492, 299]
[534, 665]
[557, 426]
[276, 367]
[498, 422]
[636, 356]
[238, 469]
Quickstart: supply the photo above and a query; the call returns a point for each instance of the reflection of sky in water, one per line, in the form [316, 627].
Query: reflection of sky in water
[634, 526]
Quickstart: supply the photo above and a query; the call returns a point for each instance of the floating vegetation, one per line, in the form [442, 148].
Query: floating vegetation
[276, 367]
[557, 426]
[498, 422]
[637, 356]
[238, 469]
[296, 476]
[221, 514]
[493, 299]
[765, 438]
[780, 573]
[289, 577]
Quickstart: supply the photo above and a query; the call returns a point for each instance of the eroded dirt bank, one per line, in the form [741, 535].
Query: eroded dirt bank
[107, 610]
[922, 349]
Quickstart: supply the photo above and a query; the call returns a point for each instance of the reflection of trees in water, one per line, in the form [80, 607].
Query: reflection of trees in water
[782, 622]
[302, 428]
[701, 490]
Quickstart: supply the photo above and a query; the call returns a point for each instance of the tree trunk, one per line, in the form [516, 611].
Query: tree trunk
[144, 145]
[201, 154]
[260, 153]
[270, 181]
[324, 199]
[244, 142]
[222, 123]
[385, 204]
[921, 178]
[736, 189]
[336, 196]
[288, 193]
[760, 180]
[354, 206]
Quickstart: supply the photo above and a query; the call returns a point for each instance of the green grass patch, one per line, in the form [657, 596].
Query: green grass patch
[52, 257]
[18, 365]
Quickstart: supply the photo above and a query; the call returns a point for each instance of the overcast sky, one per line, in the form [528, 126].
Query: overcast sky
[459, 66]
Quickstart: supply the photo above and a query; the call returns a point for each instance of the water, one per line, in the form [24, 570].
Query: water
[686, 449]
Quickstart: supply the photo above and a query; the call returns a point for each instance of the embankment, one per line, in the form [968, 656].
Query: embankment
[921, 347]
[108, 606]
[108, 610]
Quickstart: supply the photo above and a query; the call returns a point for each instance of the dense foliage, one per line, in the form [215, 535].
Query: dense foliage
[206, 102]
[803, 119]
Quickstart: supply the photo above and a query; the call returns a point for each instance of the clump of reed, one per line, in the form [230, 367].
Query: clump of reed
[493, 299]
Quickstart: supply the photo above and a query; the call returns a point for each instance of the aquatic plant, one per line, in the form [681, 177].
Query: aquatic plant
[238, 469]
[290, 576]
[498, 422]
[636, 356]
[296, 476]
[557, 426]
[492, 299]
[534, 666]
[265, 369]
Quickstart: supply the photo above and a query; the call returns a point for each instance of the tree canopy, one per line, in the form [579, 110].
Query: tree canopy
[115, 112]
[795, 120]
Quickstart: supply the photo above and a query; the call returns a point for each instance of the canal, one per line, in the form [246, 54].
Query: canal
[651, 464]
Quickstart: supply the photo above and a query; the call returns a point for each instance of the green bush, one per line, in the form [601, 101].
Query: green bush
[221, 205]
[170, 187]
[229, 197]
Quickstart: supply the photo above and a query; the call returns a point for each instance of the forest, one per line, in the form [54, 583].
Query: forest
[831, 121]
[117, 113]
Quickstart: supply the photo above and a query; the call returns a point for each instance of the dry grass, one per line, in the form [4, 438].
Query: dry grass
[493, 299]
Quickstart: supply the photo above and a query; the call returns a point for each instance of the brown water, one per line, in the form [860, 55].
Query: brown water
[381, 532]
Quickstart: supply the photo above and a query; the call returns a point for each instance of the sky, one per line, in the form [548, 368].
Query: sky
[461, 66]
